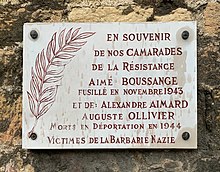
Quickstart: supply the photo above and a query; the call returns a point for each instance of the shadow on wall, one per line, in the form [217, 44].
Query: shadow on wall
[17, 15]
[161, 7]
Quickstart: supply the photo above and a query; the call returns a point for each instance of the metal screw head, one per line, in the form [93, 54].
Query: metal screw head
[33, 136]
[34, 34]
[185, 34]
[185, 136]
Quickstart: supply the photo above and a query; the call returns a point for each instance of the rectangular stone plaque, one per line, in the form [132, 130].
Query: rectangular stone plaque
[109, 85]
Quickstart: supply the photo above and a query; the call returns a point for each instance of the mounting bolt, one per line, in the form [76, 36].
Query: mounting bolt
[33, 136]
[34, 34]
[185, 34]
[185, 136]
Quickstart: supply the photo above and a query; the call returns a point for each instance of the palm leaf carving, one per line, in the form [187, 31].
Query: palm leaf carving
[49, 67]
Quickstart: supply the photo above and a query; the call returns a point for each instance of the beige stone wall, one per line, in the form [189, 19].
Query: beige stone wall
[13, 13]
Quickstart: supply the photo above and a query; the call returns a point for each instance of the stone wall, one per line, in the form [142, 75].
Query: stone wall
[13, 13]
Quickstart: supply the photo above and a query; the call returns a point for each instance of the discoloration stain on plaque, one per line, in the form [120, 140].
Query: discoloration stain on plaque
[180, 68]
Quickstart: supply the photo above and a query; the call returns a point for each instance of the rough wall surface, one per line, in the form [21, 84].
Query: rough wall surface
[13, 13]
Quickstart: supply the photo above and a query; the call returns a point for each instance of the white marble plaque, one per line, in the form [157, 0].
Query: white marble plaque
[109, 85]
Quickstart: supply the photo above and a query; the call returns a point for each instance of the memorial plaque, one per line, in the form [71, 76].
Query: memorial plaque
[109, 85]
